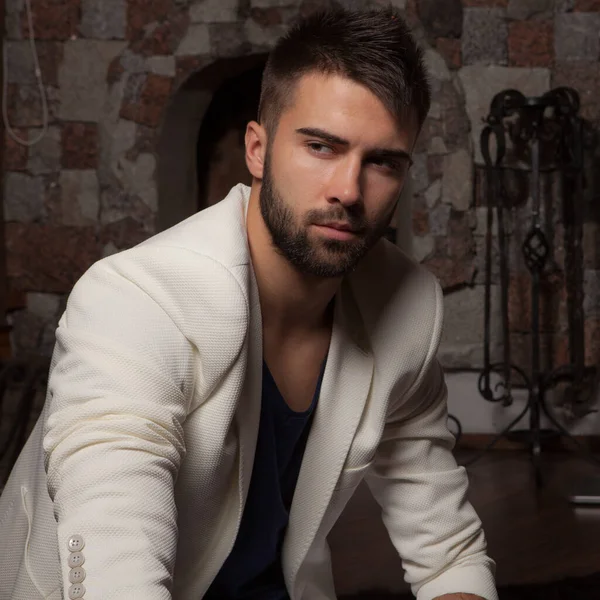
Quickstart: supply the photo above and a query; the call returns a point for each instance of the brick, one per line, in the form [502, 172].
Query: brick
[591, 334]
[451, 273]
[449, 48]
[52, 19]
[530, 44]
[420, 221]
[486, 3]
[146, 98]
[552, 303]
[79, 146]
[267, 17]
[587, 6]
[123, 234]
[143, 12]
[15, 154]
[68, 253]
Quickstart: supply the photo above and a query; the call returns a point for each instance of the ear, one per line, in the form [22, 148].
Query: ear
[256, 148]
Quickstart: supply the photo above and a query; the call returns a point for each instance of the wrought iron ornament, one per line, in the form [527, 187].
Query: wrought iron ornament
[549, 123]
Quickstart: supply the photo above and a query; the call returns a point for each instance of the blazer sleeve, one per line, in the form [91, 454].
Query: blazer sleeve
[113, 437]
[423, 493]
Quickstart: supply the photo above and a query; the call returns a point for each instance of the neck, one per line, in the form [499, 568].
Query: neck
[290, 301]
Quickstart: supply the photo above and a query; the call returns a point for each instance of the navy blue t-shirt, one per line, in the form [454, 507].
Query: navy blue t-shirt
[253, 569]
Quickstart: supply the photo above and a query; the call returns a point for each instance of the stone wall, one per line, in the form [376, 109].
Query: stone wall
[112, 68]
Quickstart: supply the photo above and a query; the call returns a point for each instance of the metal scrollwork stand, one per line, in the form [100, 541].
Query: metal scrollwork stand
[553, 120]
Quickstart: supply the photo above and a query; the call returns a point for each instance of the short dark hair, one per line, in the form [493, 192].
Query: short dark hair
[373, 47]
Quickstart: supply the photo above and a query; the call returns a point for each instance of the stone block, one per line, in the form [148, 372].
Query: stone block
[23, 198]
[530, 44]
[52, 19]
[433, 193]
[20, 68]
[583, 76]
[422, 247]
[418, 173]
[15, 154]
[82, 78]
[481, 84]
[68, 253]
[138, 178]
[146, 97]
[228, 40]
[12, 19]
[163, 38]
[591, 292]
[462, 340]
[80, 146]
[436, 65]
[485, 36]
[262, 38]
[420, 219]
[215, 11]
[117, 204]
[457, 180]
[161, 65]
[45, 306]
[450, 49]
[80, 197]
[103, 19]
[24, 106]
[441, 23]
[576, 36]
[438, 219]
[195, 42]
[521, 10]
[44, 157]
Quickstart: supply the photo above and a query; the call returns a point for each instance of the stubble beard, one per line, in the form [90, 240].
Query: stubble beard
[324, 258]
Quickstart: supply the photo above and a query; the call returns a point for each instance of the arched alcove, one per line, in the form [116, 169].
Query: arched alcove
[201, 145]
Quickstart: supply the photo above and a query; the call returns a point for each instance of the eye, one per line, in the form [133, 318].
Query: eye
[320, 148]
[396, 167]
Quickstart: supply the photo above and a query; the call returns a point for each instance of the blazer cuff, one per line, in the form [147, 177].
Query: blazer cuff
[469, 579]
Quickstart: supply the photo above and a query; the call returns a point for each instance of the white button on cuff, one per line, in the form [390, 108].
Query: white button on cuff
[77, 590]
[76, 559]
[76, 543]
[77, 575]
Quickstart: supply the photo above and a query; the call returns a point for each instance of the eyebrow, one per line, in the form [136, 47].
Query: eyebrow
[334, 139]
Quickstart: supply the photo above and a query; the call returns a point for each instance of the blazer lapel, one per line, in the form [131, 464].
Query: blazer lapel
[344, 391]
[248, 412]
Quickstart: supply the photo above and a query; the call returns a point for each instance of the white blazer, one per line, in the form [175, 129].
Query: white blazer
[140, 462]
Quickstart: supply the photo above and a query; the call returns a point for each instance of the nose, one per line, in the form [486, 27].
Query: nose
[345, 184]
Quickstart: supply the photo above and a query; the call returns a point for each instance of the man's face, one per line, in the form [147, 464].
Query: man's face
[333, 174]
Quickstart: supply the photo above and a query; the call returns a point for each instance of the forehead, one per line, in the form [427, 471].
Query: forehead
[345, 108]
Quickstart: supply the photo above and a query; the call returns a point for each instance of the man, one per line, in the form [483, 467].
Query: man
[217, 393]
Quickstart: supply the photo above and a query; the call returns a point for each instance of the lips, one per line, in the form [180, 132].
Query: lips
[340, 227]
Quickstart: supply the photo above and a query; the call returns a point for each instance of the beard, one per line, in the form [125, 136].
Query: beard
[325, 258]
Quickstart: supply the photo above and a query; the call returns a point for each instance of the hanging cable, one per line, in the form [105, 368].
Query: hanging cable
[38, 76]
